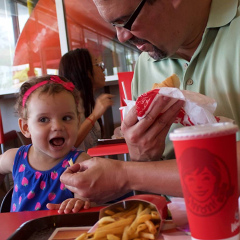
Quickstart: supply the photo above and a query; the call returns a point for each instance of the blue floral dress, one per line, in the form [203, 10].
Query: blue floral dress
[34, 189]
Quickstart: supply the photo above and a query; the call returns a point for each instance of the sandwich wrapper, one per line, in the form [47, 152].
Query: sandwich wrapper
[177, 207]
[198, 108]
[181, 230]
[159, 203]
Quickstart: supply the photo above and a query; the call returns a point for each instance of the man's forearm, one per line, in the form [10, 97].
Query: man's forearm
[160, 177]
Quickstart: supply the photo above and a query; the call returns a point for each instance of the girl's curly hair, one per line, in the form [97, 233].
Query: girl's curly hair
[50, 88]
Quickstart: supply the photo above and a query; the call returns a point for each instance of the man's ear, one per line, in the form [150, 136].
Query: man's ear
[23, 125]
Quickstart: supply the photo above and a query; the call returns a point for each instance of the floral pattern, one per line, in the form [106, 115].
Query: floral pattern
[34, 189]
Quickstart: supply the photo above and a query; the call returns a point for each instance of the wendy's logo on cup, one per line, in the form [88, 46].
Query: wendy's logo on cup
[206, 181]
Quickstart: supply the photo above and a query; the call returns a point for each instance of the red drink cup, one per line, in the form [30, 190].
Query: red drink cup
[207, 162]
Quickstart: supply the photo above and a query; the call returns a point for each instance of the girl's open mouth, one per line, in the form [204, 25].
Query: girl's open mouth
[57, 142]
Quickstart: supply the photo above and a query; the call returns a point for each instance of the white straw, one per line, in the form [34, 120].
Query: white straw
[124, 91]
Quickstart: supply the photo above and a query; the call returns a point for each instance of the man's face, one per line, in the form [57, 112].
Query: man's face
[155, 30]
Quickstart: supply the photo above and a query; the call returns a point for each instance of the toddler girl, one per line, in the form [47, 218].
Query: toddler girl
[47, 108]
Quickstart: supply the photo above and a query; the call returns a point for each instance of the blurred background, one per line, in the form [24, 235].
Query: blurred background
[35, 33]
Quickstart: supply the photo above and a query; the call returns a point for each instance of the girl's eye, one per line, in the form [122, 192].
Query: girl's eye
[43, 119]
[67, 118]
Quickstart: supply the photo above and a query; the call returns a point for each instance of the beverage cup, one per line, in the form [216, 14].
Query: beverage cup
[207, 163]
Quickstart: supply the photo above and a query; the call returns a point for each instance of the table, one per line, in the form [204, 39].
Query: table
[10, 222]
[108, 149]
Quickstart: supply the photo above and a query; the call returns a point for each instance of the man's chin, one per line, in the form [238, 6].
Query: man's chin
[146, 46]
[153, 55]
[157, 54]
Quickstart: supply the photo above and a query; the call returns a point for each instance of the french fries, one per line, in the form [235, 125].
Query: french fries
[138, 222]
[70, 162]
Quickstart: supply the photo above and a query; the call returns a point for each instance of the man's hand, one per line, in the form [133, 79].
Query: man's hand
[97, 179]
[146, 138]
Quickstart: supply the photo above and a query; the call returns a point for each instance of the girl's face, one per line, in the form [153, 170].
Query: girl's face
[98, 80]
[52, 123]
[200, 185]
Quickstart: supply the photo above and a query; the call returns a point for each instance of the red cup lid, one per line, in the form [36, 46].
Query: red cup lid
[203, 131]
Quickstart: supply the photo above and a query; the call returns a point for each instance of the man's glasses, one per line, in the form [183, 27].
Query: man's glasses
[130, 21]
[101, 65]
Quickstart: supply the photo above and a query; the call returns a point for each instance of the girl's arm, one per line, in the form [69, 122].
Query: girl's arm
[6, 162]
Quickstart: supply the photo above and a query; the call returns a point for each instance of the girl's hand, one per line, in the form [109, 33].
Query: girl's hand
[69, 205]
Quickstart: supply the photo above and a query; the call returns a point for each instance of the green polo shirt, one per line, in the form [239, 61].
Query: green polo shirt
[214, 69]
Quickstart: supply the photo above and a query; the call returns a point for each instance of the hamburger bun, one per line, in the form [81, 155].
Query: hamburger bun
[172, 81]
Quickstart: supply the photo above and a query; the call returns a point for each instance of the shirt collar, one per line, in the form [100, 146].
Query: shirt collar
[221, 13]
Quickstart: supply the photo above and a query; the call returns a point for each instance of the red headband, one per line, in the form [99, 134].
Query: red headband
[67, 85]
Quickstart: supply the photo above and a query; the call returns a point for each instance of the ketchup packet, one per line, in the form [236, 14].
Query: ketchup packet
[198, 108]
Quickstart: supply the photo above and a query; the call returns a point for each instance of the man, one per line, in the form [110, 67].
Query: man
[199, 41]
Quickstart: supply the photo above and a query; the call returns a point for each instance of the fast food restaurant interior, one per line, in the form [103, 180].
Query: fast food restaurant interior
[34, 36]
[52, 197]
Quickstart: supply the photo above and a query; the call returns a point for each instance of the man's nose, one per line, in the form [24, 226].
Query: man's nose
[123, 34]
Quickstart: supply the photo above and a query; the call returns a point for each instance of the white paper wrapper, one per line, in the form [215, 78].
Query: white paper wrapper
[198, 108]
[177, 208]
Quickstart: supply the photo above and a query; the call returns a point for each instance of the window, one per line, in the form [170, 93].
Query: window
[30, 44]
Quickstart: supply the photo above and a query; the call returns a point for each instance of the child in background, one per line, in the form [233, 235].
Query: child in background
[47, 108]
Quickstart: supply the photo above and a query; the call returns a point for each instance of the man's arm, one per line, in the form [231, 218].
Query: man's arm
[101, 179]
[160, 177]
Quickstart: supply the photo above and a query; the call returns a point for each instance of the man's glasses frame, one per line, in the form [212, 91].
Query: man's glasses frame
[130, 21]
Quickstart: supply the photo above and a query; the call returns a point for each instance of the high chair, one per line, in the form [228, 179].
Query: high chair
[6, 202]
